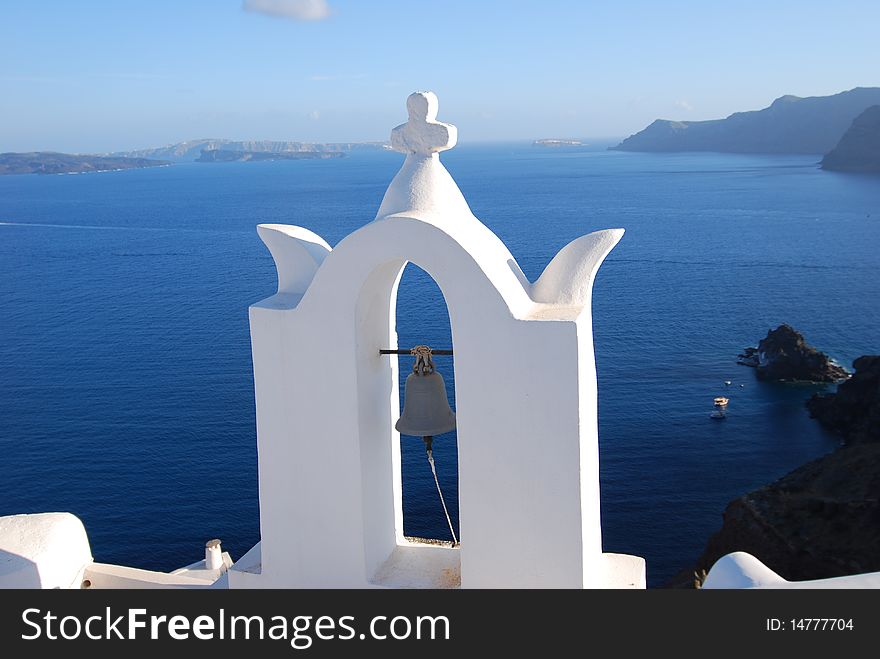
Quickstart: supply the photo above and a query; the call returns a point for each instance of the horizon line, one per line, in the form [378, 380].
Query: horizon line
[503, 140]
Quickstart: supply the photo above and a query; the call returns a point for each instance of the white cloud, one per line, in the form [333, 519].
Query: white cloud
[298, 10]
[314, 115]
[682, 104]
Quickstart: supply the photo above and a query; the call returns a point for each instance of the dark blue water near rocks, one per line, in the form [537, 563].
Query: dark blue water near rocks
[126, 389]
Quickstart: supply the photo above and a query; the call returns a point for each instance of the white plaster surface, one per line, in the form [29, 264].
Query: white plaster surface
[51, 550]
[104, 576]
[422, 133]
[329, 458]
[622, 571]
[296, 260]
[742, 570]
[412, 565]
[44, 550]
[212, 567]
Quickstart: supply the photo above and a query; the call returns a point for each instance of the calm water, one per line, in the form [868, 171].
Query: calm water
[126, 394]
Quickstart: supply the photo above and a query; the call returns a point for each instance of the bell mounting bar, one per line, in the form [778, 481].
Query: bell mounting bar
[409, 352]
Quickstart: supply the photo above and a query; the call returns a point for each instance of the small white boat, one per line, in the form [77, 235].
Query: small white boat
[721, 401]
[727, 382]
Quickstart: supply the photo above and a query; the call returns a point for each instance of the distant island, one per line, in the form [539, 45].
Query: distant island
[204, 150]
[191, 150]
[557, 142]
[225, 155]
[49, 162]
[859, 148]
[790, 125]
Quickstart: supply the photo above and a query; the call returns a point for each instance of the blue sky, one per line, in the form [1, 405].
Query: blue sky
[110, 74]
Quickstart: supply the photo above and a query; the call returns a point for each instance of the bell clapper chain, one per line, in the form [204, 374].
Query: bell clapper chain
[428, 442]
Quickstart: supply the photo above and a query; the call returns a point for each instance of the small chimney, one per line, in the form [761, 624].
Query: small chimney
[213, 555]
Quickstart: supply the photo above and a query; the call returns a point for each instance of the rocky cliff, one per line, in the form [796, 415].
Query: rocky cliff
[853, 412]
[821, 520]
[789, 125]
[859, 148]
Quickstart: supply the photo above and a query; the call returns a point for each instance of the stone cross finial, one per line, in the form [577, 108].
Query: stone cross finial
[423, 134]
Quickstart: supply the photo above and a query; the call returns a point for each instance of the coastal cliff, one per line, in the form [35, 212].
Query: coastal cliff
[789, 125]
[822, 519]
[853, 412]
[859, 148]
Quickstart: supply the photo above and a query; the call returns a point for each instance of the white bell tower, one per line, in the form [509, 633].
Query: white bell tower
[329, 457]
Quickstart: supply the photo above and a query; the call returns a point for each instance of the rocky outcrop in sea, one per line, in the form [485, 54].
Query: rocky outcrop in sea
[853, 412]
[785, 355]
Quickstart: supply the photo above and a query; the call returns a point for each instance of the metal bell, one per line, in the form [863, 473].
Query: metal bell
[426, 410]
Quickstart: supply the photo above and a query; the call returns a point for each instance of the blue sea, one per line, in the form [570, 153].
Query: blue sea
[126, 385]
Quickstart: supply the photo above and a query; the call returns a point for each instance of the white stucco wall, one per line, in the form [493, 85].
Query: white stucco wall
[43, 550]
[742, 570]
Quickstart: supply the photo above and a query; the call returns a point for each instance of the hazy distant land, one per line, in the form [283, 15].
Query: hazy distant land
[226, 155]
[556, 142]
[205, 150]
[47, 162]
[790, 125]
[845, 127]
[192, 149]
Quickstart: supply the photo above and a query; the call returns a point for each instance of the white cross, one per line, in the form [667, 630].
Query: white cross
[423, 134]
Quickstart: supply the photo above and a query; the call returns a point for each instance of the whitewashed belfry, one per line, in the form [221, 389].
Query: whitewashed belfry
[329, 457]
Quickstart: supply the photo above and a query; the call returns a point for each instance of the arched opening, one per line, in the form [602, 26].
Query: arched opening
[423, 318]
[406, 532]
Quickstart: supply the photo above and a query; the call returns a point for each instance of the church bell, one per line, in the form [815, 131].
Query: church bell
[426, 410]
